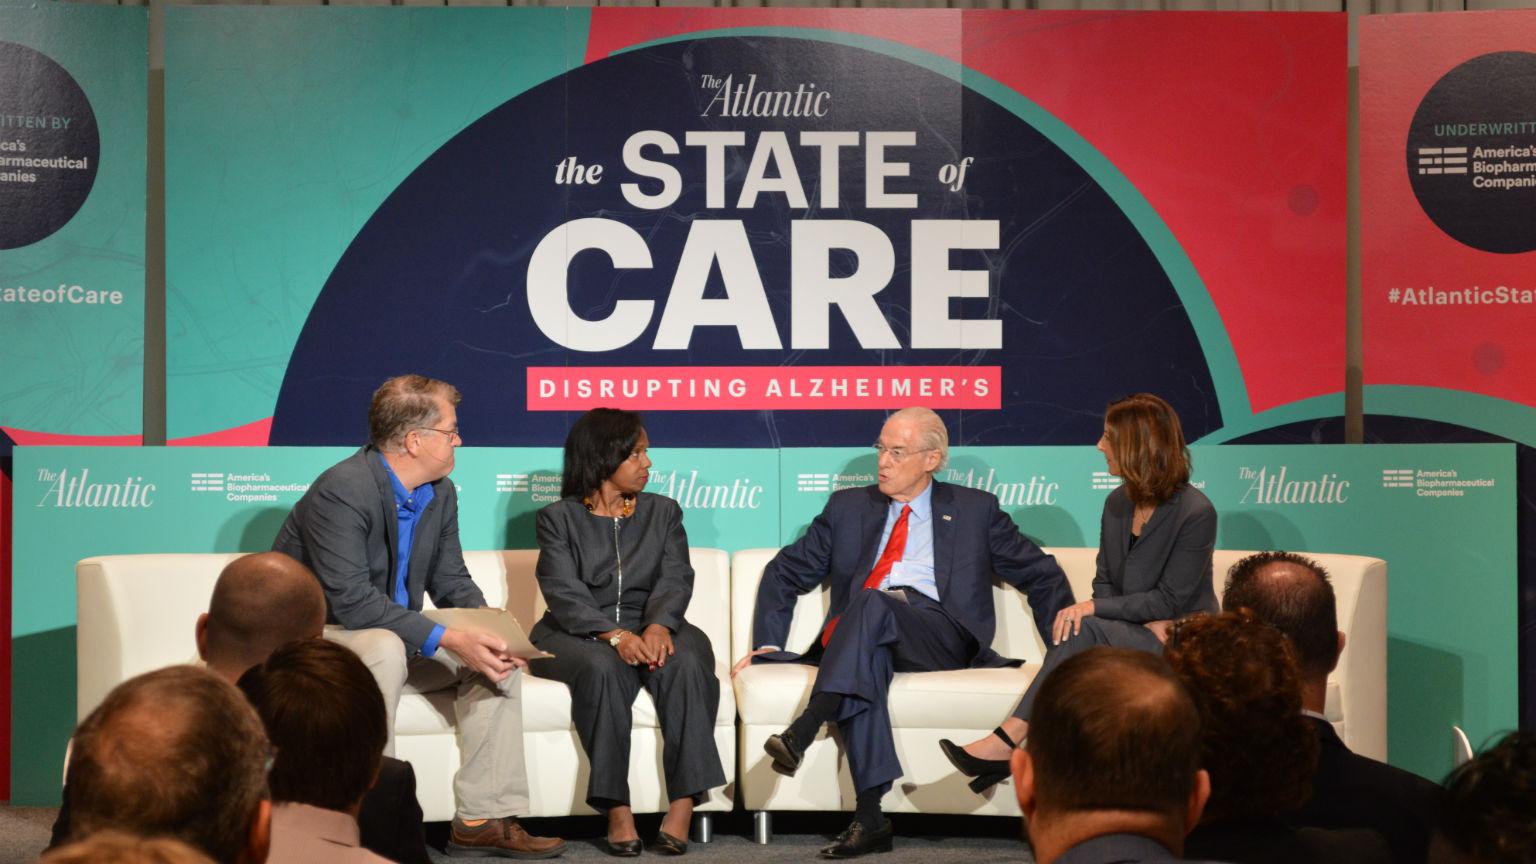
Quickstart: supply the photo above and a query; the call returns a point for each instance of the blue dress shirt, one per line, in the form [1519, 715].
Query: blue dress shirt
[915, 569]
[408, 509]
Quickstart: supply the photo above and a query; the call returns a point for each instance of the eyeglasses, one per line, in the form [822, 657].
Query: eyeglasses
[453, 434]
[897, 454]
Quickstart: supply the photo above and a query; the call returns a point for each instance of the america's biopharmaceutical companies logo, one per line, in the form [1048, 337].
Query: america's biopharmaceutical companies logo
[1435, 482]
[822, 482]
[245, 487]
[76, 489]
[542, 487]
[1268, 484]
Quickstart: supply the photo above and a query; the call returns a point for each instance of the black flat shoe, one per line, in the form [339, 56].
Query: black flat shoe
[984, 773]
[623, 848]
[857, 840]
[666, 844]
[786, 752]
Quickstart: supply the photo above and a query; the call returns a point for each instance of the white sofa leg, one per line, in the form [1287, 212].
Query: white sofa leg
[703, 828]
[762, 827]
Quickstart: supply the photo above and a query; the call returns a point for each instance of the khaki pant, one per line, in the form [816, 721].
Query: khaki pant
[492, 780]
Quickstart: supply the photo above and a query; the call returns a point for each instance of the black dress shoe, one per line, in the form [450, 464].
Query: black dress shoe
[666, 844]
[984, 773]
[857, 840]
[623, 848]
[786, 752]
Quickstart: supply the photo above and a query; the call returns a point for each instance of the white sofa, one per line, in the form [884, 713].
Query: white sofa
[136, 613]
[966, 704]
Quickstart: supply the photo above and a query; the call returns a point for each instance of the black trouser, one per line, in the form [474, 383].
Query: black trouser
[603, 690]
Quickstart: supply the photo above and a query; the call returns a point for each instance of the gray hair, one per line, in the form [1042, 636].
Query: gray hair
[931, 434]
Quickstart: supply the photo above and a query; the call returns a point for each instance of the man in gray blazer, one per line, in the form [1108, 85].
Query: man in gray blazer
[380, 528]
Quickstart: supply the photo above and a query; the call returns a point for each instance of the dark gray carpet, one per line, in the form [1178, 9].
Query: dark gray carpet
[920, 839]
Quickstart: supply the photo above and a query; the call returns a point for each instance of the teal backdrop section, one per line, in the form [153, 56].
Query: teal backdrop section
[355, 100]
[1451, 617]
[214, 499]
[71, 368]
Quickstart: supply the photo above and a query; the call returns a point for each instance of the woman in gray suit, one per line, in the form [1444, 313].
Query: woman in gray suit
[1156, 539]
[613, 567]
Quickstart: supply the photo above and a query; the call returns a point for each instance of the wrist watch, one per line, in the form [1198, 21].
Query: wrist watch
[616, 638]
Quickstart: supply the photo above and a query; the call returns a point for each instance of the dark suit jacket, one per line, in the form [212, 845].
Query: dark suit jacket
[1351, 791]
[578, 567]
[1270, 841]
[1118, 849]
[345, 529]
[1167, 574]
[973, 542]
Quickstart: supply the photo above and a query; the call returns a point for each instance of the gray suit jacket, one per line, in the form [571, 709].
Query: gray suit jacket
[1167, 574]
[345, 529]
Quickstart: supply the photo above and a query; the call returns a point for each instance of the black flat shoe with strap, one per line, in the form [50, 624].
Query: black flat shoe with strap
[984, 773]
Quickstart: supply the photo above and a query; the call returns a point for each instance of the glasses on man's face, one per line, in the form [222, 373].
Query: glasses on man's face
[897, 454]
[452, 434]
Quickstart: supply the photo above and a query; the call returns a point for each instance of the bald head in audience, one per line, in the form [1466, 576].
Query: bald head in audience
[261, 601]
[1293, 594]
[175, 752]
[1113, 749]
[115, 847]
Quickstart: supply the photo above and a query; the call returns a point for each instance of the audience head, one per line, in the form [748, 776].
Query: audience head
[175, 752]
[913, 444]
[260, 602]
[325, 716]
[1255, 742]
[1293, 594]
[1489, 810]
[605, 444]
[1113, 731]
[115, 847]
[1143, 445]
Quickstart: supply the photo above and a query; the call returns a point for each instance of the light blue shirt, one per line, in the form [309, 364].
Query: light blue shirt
[915, 569]
[408, 508]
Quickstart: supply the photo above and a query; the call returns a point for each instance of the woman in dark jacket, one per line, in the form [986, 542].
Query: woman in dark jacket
[1156, 540]
[613, 567]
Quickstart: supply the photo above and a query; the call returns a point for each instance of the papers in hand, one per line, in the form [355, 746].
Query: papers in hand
[496, 622]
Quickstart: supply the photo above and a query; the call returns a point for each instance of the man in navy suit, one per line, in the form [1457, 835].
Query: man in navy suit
[927, 553]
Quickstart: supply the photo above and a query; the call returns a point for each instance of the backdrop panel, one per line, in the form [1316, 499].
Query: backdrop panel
[73, 109]
[1448, 248]
[1451, 650]
[763, 226]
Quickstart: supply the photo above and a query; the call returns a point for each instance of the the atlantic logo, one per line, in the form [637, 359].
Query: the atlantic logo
[739, 494]
[542, 486]
[76, 491]
[1433, 483]
[1035, 491]
[1267, 486]
[255, 488]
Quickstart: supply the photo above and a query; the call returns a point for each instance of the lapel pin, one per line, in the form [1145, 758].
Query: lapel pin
[948, 518]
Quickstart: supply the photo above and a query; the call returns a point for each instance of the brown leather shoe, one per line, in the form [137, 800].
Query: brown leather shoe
[500, 838]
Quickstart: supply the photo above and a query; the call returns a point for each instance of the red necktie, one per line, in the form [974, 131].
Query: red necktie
[894, 547]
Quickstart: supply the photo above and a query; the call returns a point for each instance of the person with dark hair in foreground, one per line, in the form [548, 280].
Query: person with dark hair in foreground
[1156, 539]
[909, 564]
[1293, 594]
[325, 716]
[614, 569]
[1488, 815]
[1259, 750]
[176, 752]
[262, 601]
[381, 530]
[1111, 771]
[116, 847]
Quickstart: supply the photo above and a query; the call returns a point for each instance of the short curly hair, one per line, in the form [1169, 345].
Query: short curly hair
[1258, 748]
[1489, 802]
